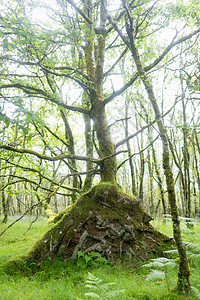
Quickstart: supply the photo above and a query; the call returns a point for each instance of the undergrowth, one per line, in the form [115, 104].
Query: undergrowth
[91, 276]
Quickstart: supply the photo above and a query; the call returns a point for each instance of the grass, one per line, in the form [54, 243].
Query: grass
[61, 280]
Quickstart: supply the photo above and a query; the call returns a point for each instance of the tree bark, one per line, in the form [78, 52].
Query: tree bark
[89, 146]
[133, 181]
[95, 67]
[184, 271]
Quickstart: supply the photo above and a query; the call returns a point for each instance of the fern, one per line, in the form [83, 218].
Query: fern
[93, 295]
[196, 292]
[155, 275]
[100, 290]
[192, 246]
[172, 253]
[161, 267]
[161, 263]
[195, 256]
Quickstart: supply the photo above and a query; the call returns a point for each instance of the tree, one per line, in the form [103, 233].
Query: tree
[73, 52]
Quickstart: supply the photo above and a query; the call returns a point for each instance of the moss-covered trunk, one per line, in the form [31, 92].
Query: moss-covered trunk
[184, 271]
[106, 146]
[95, 67]
[89, 146]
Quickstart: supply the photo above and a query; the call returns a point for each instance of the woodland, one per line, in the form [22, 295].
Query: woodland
[99, 135]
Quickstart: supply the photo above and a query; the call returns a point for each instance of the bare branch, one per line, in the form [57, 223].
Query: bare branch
[120, 91]
[120, 120]
[34, 205]
[137, 153]
[146, 126]
[46, 157]
[151, 66]
[170, 46]
[32, 91]
[119, 58]
[32, 182]
[10, 183]
[80, 11]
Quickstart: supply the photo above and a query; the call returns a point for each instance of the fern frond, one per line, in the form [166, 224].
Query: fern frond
[196, 292]
[95, 281]
[99, 290]
[93, 287]
[192, 246]
[155, 275]
[160, 263]
[93, 295]
[107, 286]
[161, 259]
[114, 294]
[92, 277]
[155, 264]
[172, 253]
[195, 256]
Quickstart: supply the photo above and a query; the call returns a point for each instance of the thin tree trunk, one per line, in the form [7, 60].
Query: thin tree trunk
[186, 157]
[133, 181]
[70, 139]
[196, 170]
[5, 207]
[150, 169]
[142, 168]
[184, 271]
[160, 184]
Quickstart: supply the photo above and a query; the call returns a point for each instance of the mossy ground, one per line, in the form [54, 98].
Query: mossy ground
[58, 280]
[103, 220]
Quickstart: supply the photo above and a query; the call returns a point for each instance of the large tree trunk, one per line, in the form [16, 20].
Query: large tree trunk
[89, 153]
[106, 146]
[95, 67]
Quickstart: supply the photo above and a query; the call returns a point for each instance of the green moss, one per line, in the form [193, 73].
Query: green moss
[59, 216]
[116, 209]
[15, 266]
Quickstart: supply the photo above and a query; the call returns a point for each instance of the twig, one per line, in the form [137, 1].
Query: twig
[137, 153]
[120, 120]
[34, 205]
[148, 125]
[37, 215]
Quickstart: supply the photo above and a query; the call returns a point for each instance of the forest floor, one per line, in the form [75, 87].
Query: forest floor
[90, 276]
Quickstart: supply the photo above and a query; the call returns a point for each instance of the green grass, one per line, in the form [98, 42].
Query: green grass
[61, 280]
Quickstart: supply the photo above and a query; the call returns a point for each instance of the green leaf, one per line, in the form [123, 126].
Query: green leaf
[87, 258]
[24, 129]
[5, 119]
[80, 254]
[81, 263]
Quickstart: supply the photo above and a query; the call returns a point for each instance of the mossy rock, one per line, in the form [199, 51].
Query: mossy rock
[103, 220]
